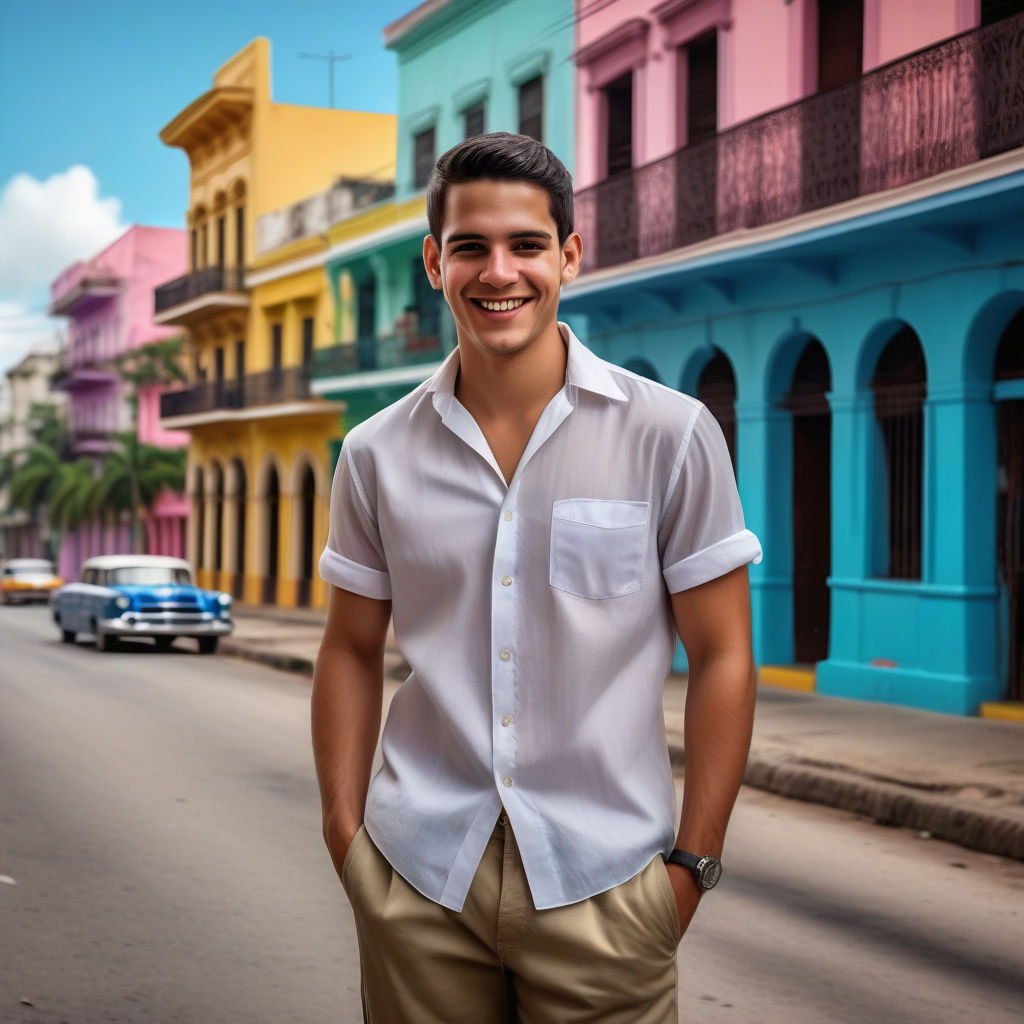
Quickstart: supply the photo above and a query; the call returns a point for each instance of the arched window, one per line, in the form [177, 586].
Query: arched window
[716, 388]
[307, 519]
[240, 493]
[1010, 501]
[899, 385]
[812, 501]
[273, 520]
[218, 518]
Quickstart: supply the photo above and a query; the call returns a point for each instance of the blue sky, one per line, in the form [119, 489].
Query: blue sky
[91, 85]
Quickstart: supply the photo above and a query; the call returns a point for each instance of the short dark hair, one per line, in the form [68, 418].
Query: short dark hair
[502, 157]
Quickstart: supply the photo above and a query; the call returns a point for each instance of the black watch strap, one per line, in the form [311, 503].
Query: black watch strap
[683, 859]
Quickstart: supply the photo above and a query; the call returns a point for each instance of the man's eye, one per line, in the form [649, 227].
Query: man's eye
[530, 245]
[467, 247]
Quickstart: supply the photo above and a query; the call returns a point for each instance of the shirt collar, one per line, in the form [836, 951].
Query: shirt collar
[583, 370]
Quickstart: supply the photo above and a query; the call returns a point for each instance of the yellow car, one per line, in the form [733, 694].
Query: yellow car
[27, 579]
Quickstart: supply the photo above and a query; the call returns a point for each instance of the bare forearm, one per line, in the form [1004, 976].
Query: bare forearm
[719, 718]
[346, 713]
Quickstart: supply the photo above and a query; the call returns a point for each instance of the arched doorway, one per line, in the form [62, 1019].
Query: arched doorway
[716, 388]
[217, 494]
[642, 368]
[241, 489]
[899, 384]
[199, 518]
[1009, 366]
[273, 520]
[307, 517]
[812, 501]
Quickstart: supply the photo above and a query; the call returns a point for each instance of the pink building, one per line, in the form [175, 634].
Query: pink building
[658, 78]
[109, 300]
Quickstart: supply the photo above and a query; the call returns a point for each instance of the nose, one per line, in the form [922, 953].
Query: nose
[500, 270]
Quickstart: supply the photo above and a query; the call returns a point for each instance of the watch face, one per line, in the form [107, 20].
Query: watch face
[709, 872]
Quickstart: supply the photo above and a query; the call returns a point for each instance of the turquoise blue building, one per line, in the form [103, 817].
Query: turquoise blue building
[842, 282]
[464, 67]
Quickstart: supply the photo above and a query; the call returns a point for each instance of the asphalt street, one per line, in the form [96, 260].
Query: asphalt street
[161, 860]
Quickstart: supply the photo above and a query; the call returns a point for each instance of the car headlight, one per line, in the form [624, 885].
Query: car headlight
[224, 599]
[122, 602]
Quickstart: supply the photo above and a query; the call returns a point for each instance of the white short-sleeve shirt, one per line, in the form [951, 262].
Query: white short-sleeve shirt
[535, 617]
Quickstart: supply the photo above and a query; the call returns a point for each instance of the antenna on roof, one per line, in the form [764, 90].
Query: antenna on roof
[331, 57]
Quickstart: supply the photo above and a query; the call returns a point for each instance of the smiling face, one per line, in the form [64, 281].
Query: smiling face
[500, 265]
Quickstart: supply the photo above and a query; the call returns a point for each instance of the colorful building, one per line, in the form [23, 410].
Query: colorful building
[109, 302]
[463, 68]
[25, 386]
[825, 248]
[260, 455]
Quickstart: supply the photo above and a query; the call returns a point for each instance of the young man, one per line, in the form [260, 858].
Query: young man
[540, 524]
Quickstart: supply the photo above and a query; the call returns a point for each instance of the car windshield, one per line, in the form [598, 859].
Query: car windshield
[147, 575]
[30, 568]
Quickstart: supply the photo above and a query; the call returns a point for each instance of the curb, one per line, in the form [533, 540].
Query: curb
[998, 830]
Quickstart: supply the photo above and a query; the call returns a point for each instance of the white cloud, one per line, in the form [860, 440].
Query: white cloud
[21, 330]
[44, 227]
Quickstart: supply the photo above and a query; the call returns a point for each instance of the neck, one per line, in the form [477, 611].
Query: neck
[516, 385]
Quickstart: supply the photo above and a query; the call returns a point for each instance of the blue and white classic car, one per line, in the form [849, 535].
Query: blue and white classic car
[140, 596]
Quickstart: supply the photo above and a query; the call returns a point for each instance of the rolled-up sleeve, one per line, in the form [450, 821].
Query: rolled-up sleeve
[702, 534]
[354, 557]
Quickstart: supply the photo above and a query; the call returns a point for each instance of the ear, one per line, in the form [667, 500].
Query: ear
[432, 262]
[572, 254]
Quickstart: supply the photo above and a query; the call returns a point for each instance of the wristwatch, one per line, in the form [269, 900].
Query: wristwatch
[707, 870]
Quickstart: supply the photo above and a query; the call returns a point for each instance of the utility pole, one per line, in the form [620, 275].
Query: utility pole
[331, 57]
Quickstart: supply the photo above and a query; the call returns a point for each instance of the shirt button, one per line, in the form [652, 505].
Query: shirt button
[507, 781]
[506, 581]
[508, 517]
[506, 720]
[506, 655]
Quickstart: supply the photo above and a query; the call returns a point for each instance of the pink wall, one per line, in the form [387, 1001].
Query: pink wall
[766, 59]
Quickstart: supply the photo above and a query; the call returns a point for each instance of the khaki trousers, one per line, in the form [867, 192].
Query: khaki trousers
[610, 959]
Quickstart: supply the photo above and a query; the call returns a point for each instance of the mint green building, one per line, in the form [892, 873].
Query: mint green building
[465, 67]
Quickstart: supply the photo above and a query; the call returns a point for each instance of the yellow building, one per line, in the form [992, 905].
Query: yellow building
[266, 180]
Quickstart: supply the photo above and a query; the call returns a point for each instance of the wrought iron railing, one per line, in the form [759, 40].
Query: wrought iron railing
[935, 110]
[199, 282]
[370, 353]
[254, 389]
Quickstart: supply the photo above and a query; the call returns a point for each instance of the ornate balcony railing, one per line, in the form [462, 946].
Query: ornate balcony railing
[254, 389]
[935, 110]
[197, 283]
[370, 353]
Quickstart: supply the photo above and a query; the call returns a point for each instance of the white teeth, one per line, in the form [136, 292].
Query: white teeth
[498, 307]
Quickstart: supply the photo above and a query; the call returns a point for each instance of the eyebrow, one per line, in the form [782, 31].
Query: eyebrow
[518, 234]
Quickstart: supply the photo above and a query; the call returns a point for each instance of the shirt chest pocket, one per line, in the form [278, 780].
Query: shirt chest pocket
[598, 547]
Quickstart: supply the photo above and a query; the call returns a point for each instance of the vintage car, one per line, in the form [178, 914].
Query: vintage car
[122, 596]
[27, 579]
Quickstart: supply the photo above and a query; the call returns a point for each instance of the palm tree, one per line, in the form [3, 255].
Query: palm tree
[132, 478]
[72, 500]
[34, 479]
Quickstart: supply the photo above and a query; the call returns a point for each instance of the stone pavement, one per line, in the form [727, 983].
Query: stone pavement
[958, 779]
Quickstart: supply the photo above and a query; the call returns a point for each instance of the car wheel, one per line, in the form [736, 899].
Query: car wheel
[67, 635]
[105, 642]
[163, 643]
[208, 644]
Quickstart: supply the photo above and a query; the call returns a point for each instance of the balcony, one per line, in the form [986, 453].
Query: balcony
[199, 294]
[936, 110]
[254, 390]
[369, 354]
[81, 290]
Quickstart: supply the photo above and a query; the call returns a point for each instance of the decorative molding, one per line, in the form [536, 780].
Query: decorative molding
[615, 53]
[470, 94]
[527, 66]
[422, 119]
[684, 20]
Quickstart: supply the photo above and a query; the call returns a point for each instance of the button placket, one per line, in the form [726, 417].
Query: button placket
[504, 670]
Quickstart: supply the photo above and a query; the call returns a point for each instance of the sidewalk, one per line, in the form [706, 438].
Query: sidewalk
[959, 779]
